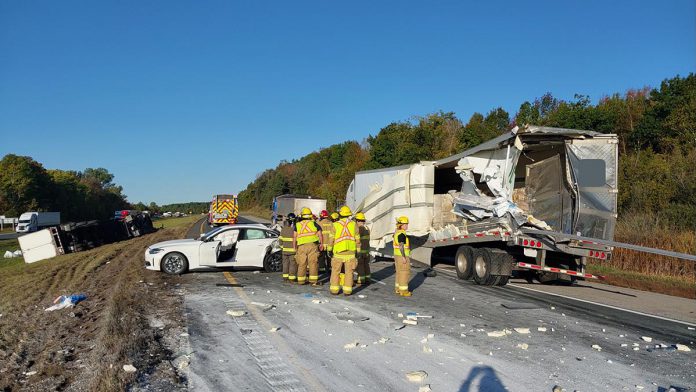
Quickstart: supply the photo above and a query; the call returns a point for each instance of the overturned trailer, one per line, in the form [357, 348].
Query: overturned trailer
[532, 199]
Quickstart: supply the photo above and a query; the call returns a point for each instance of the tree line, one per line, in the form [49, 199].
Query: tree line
[25, 185]
[657, 144]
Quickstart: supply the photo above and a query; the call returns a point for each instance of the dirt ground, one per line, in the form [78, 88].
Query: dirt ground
[131, 317]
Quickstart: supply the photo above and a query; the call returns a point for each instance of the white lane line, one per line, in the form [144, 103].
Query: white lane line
[605, 305]
[586, 301]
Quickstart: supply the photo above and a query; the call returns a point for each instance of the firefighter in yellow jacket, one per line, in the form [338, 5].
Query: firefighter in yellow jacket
[286, 242]
[307, 239]
[326, 231]
[402, 259]
[363, 254]
[345, 245]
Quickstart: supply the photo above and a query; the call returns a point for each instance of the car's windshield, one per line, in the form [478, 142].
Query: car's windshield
[24, 221]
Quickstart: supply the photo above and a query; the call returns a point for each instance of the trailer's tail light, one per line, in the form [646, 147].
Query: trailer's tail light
[538, 244]
[525, 243]
[603, 255]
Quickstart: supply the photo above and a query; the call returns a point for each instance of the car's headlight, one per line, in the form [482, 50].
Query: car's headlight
[154, 251]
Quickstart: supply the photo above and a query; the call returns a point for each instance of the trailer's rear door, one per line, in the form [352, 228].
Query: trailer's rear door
[546, 192]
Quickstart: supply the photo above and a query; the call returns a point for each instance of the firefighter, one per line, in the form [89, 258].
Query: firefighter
[363, 254]
[286, 241]
[402, 253]
[326, 231]
[334, 217]
[345, 246]
[307, 240]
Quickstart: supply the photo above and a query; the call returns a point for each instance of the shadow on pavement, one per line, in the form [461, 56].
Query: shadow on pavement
[488, 381]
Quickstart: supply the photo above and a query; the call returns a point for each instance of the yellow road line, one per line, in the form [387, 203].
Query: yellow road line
[202, 225]
[307, 376]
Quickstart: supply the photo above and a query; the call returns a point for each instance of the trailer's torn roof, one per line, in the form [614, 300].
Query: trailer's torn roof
[509, 137]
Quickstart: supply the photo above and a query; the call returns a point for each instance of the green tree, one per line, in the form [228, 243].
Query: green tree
[24, 185]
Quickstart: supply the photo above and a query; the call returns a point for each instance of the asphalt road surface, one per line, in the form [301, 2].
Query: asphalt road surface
[336, 343]
[8, 236]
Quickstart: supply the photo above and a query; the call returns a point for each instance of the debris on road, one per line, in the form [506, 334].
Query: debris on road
[523, 346]
[361, 296]
[263, 306]
[398, 327]
[31, 373]
[430, 273]
[236, 313]
[427, 350]
[66, 301]
[318, 301]
[682, 347]
[597, 347]
[416, 376]
[245, 331]
[274, 329]
[646, 339]
[129, 368]
[541, 329]
[499, 334]
[410, 322]
[383, 340]
[557, 388]
[522, 331]
[352, 345]
[425, 388]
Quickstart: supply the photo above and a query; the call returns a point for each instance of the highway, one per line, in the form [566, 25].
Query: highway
[8, 236]
[347, 343]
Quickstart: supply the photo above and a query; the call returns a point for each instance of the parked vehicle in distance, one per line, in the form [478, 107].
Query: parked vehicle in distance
[240, 245]
[32, 221]
[285, 204]
[224, 210]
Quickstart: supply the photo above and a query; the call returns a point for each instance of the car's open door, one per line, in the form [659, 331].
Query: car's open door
[208, 253]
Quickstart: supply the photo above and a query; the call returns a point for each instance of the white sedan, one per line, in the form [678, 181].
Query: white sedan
[240, 245]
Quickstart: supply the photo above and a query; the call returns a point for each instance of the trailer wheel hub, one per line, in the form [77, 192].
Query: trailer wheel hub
[480, 266]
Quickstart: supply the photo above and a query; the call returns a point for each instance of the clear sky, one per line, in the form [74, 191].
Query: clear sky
[184, 99]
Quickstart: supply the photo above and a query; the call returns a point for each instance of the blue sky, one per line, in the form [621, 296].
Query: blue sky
[183, 99]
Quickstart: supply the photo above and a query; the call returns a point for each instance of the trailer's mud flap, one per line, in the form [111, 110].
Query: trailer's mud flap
[422, 255]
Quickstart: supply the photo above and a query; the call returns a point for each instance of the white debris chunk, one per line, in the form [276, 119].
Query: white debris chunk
[263, 305]
[496, 334]
[636, 348]
[523, 346]
[417, 376]
[351, 345]
[274, 329]
[183, 335]
[646, 339]
[410, 322]
[541, 329]
[431, 335]
[400, 315]
[522, 330]
[383, 340]
[624, 345]
[31, 373]
[129, 368]
[427, 350]
[317, 301]
[597, 347]
[236, 313]
[691, 328]
[462, 325]
[361, 296]
[424, 340]
[682, 347]
[425, 388]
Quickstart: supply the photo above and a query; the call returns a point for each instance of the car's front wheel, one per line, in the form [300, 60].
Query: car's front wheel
[273, 262]
[174, 263]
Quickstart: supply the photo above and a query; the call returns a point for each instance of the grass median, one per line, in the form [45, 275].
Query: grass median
[85, 348]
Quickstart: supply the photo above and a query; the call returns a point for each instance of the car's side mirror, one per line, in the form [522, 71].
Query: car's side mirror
[200, 237]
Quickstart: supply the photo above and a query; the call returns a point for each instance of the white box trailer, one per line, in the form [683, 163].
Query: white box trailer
[285, 204]
[33, 221]
[532, 199]
[40, 245]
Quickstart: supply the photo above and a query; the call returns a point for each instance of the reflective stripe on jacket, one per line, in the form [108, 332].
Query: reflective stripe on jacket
[307, 232]
[407, 244]
[364, 239]
[345, 237]
[286, 234]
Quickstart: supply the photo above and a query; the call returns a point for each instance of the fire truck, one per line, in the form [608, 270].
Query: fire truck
[224, 210]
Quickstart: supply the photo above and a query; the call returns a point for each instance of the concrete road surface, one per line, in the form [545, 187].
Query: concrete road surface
[336, 343]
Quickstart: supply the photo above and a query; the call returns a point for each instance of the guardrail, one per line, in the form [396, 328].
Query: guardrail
[8, 221]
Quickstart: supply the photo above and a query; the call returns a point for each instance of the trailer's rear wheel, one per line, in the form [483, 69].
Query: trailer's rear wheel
[501, 280]
[464, 262]
[483, 267]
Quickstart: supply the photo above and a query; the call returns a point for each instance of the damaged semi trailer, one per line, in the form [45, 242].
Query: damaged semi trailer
[532, 200]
